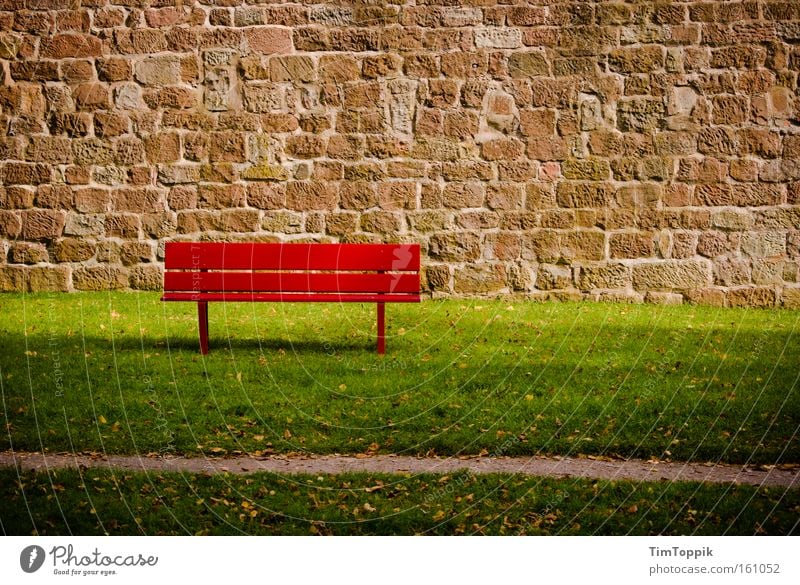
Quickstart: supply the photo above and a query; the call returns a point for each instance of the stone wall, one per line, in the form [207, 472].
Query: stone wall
[627, 150]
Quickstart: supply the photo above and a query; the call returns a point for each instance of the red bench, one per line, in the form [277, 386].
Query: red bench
[203, 272]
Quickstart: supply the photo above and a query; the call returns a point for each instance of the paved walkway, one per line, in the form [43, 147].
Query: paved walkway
[560, 467]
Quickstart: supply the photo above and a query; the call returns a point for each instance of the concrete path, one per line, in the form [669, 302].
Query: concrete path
[561, 467]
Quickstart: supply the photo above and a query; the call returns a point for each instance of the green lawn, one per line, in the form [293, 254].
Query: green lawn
[100, 502]
[120, 372]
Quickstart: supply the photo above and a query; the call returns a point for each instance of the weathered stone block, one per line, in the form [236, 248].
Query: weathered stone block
[553, 277]
[583, 245]
[102, 277]
[27, 253]
[541, 246]
[455, 246]
[146, 277]
[311, 195]
[480, 278]
[671, 275]
[631, 245]
[122, 225]
[603, 276]
[12, 279]
[731, 271]
[570, 194]
[47, 278]
[240, 220]
[752, 297]
[220, 196]
[83, 224]
[73, 250]
[42, 224]
[381, 222]
[763, 244]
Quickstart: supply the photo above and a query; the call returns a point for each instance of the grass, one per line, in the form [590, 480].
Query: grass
[104, 502]
[120, 373]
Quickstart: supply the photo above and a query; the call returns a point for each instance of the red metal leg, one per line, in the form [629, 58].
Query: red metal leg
[381, 328]
[202, 319]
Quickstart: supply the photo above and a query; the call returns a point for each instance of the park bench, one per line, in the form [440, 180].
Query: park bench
[204, 272]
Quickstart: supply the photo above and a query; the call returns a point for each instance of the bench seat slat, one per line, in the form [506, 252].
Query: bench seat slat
[343, 282]
[292, 297]
[269, 256]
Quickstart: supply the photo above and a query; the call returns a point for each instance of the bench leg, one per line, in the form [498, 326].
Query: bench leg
[202, 319]
[381, 328]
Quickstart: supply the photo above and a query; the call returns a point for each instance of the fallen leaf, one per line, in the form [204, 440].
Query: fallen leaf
[101, 419]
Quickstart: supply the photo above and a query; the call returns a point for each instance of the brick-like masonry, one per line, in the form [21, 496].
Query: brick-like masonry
[630, 150]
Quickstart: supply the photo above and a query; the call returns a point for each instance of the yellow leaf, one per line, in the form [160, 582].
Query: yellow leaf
[369, 507]
[115, 427]
[101, 419]
[258, 437]
[238, 376]
[342, 386]
[438, 516]
[287, 434]
[529, 397]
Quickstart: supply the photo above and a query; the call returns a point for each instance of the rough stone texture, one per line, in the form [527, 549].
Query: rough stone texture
[636, 151]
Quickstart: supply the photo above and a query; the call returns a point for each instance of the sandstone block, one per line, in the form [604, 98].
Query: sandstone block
[752, 297]
[159, 225]
[266, 195]
[671, 275]
[553, 277]
[12, 279]
[381, 222]
[763, 244]
[480, 278]
[103, 277]
[528, 64]
[27, 253]
[790, 298]
[213, 196]
[266, 40]
[70, 45]
[498, 38]
[463, 195]
[227, 147]
[146, 277]
[311, 195]
[42, 224]
[663, 298]
[292, 68]
[83, 224]
[47, 278]
[25, 173]
[240, 220]
[436, 276]
[541, 245]
[122, 225]
[502, 149]
[583, 245]
[455, 246]
[731, 271]
[603, 276]
[73, 250]
[569, 194]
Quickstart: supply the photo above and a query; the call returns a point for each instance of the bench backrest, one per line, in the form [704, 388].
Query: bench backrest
[279, 267]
